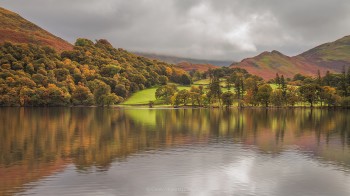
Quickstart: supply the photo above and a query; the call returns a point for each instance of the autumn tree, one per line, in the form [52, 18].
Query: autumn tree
[82, 96]
[310, 93]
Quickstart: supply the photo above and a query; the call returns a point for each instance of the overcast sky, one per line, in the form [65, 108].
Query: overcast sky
[206, 29]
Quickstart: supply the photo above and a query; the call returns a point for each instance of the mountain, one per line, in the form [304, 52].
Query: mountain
[15, 29]
[333, 55]
[267, 64]
[176, 60]
[330, 56]
[187, 64]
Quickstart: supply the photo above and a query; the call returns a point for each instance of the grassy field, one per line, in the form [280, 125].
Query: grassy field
[145, 96]
[202, 82]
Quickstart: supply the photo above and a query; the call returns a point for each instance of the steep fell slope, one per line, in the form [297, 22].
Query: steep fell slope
[267, 64]
[15, 29]
[333, 55]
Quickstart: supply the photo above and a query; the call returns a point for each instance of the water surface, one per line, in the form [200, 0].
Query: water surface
[110, 151]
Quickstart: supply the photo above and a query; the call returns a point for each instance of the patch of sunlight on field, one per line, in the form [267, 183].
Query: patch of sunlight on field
[142, 97]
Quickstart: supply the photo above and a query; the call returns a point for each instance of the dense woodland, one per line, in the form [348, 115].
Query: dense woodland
[244, 89]
[90, 74]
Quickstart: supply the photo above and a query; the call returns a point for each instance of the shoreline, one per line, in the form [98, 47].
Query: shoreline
[145, 106]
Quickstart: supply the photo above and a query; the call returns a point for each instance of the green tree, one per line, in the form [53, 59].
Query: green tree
[264, 93]
[185, 79]
[215, 89]
[109, 70]
[277, 80]
[277, 98]
[101, 90]
[166, 92]
[183, 96]
[111, 99]
[227, 98]
[163, 80]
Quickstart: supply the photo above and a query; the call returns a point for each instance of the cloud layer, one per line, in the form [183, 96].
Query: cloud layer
[207, 29]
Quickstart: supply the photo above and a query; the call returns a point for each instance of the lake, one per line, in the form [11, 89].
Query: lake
[111, 151]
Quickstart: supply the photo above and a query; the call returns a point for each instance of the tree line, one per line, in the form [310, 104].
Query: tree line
[229, 86]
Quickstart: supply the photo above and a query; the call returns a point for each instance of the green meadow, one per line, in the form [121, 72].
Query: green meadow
[143, 97]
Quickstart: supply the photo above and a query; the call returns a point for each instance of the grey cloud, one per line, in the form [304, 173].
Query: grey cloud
[210, 29]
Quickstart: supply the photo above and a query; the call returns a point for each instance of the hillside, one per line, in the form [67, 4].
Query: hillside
[267, 64]
[187, 66]
[15, 29]
[333, 55]
[330, 56]
[176, 60]
[90, 74]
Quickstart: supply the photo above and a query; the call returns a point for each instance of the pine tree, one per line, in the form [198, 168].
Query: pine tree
[283, 86]
[277, 80]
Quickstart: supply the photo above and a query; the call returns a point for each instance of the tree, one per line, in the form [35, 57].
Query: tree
[196, 95]
[185, 79]
[239, 86]
[57, 96]
[111, 99]
[277, 80]
[82, 96]
[101, 90]
[109, 70]
[166, 92]
[264, 93]
[283, 86]
[343, 87]
[227, 98]
[120, 90]
[277, 98]
[329, 96]
[292, 96]
[215, 88]
[183, 96]
[298, 76]
[251, 84]
[163, 80]
[345, 102]
[25, 96]
[310, 93]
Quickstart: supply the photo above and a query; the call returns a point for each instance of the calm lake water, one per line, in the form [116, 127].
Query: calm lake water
[110, 151]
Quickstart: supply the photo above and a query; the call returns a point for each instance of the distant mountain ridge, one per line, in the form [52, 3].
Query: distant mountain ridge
[331, 56]
[15, 29]
[176, 60]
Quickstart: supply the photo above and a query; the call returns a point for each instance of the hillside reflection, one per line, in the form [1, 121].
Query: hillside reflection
[36, 142]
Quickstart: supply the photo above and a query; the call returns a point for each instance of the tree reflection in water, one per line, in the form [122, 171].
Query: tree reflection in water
[36, 142]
